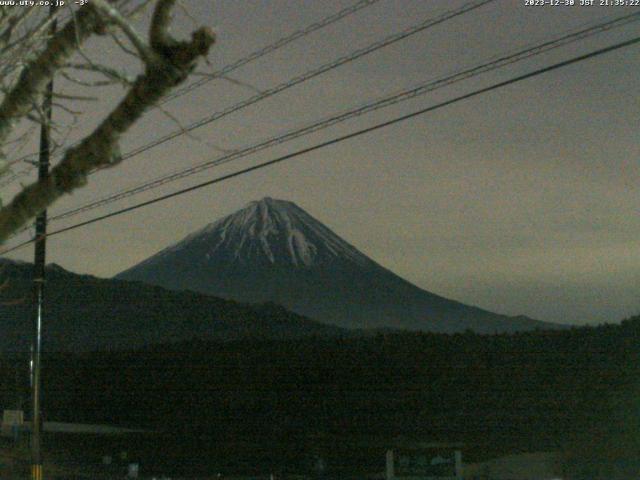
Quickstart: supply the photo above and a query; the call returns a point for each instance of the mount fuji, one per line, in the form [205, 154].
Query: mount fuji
[274, 251]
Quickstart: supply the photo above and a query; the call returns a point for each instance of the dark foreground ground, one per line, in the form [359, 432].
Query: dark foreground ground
[164, 456]
[260, 407]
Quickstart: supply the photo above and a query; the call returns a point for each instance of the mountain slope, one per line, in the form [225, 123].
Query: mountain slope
[87, 313]
[272, 250]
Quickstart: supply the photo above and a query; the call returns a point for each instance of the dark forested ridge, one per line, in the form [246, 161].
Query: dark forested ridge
[267, 403]
[531, 386]
[85, 313]
[278, 379]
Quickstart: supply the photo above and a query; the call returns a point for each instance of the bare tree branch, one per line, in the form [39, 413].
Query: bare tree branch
[110, 73]
[159, 32]
[146, 53]
[171, 63]
[37, 74]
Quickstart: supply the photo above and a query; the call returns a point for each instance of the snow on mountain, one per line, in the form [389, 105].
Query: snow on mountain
[274, 230]
[274, 251]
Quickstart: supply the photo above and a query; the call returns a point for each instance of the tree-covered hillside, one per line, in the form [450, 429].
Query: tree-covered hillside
[528, 391]
[401, 383]
[84, 313]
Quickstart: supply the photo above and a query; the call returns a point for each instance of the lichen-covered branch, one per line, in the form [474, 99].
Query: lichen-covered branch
[159, 31]
[112, 13]
[35, 76]
[171, 64]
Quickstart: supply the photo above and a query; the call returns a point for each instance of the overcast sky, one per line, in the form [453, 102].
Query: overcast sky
[521, 201]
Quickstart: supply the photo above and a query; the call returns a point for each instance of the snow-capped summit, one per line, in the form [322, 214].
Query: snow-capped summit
[274, 251]
[268, 230]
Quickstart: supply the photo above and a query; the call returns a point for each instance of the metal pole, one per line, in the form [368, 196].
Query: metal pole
[38, 281]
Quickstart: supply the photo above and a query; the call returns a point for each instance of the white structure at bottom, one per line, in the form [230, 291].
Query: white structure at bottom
[430, 463]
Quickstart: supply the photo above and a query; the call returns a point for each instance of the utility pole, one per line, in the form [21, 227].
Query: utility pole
[39, 280]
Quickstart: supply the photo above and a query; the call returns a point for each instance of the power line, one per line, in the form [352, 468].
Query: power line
[389, 100]
[310, 74]
[342, 138]
[241, 62]
[354, 55]
[271, 48]
[421, 89]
